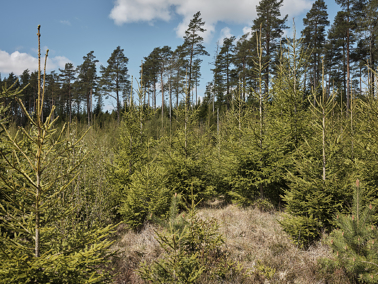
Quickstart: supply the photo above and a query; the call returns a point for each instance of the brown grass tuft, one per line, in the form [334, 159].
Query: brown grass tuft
[253, 238]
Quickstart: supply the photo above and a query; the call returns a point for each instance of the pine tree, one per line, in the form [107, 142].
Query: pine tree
[178, 72]
[68, 75]
[33, 85]
[27, 94]
[315, 24]
[268, 20]
[164, 56]
[146, 195]
[115, 77]
[365, 141]
[333, 58]
[151, 73]
[88, 80]
[242, 60]
[193, 46]
[354, 242]
[347, 6]
[13, 81]
[196, 79]
[225, 61]
[218, 84]
[52, 91]
[365, 13]
[337, 36]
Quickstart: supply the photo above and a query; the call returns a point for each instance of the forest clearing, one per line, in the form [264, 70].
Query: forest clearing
[271, 178]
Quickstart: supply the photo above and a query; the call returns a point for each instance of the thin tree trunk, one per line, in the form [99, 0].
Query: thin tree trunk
[52, 104]
[348, 71]
[323, 125]
[38, 156]
[344, 78]
[218, 130]
[88, 109]
[91, 107]
[118, 101]
[154, 98]
[323, 140]
[196, 90]
[70, 101]
[170, 111]
[162, 97]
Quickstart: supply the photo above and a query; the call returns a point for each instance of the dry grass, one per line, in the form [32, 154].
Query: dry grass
[253, 238]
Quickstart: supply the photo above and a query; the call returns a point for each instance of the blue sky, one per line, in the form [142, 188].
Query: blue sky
[72, 28]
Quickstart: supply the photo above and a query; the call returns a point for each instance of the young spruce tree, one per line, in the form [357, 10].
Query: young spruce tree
[38, 244]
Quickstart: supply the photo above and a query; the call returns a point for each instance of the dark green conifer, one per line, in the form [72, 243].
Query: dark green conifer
[193, 48]
[88, 80]
[318, 181]
[115, 78]
[68, 75]
[314, 36]
[268, 20]
[224, 63]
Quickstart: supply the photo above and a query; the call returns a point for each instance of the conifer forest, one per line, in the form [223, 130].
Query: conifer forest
[272, 177]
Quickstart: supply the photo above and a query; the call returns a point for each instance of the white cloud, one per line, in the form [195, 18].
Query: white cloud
[247, 29]
[212, 11]
[295, 7]
[128, 11]
[17, 62]
[65, 22]
[287, 33]
[109, 108]
[224, 33]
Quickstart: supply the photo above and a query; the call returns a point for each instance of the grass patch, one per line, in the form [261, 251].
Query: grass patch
[253, 238]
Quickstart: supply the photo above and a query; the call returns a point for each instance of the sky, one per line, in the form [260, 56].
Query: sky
[72, 28]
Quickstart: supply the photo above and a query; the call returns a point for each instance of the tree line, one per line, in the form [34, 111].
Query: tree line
[348, 47]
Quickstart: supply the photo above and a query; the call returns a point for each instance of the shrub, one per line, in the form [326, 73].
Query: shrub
[302, 230]
[355, 242]
[191, 255]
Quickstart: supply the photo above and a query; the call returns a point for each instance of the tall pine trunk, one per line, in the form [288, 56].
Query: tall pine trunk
[348, 71]
[162, 97]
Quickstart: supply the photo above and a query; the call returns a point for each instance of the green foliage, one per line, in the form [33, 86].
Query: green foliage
[87, 76]
[322, 170]
[355, 241]
[131, 150]
[191, 255]
[265, 271]
[91, 192]
[302, 230]
[264, 205]
[42, 239]
[193, 48]
[314, 37]
[272, 27]
[175, 220]
[146, 195]
[115, 77]
[189, 166]
[138, 178]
